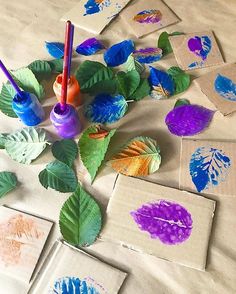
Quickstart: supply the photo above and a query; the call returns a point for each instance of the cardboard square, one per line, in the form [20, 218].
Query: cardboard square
[154, 15]
[179, 225]
[220, 88]
[217, 157]
[196, 50]
[67, 265]
[94, 15]
[22, 238]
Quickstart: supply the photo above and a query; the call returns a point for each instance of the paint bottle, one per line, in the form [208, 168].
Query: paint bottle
[73, 90]
[28, 108]
[66, 121]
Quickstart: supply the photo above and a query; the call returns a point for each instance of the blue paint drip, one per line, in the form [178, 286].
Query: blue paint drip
[225, 87]
[208, 167]
[93, 6]
[72, 285]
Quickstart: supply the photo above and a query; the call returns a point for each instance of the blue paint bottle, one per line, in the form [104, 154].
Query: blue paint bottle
[28, 109]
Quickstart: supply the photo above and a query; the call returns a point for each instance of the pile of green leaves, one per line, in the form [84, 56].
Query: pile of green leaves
[28, 79]
[96, 78]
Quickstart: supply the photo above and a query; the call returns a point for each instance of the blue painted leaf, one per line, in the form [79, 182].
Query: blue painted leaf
[188, 120]
[55, 49]
[148, 16]
[148, 55]
[106, 109]
[89, 47]
[161, 82]
[119, 53]
[73, 285]
[225, 87]
[208, 167]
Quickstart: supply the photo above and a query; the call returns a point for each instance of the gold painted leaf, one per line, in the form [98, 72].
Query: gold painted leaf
[139, 157]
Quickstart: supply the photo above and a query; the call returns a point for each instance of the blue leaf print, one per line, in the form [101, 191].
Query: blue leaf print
[95, 6]
[225, 87]
[72, 285]
[208, 167]
[106, 109]
[55, 49]
[161, 82]
[200, 46]
[119, 53]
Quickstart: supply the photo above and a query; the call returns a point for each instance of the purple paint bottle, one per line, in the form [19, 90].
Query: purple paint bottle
[27, 107]
[66, 121]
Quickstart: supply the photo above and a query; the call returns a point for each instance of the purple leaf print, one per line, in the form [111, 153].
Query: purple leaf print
[168, 221]
[148, 16]
[200, 46]
[188, 120]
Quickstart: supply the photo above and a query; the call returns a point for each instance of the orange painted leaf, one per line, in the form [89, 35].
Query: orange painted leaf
[101, 133]
[139, 157]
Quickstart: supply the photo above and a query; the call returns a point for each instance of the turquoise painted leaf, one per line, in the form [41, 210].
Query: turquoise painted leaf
[161, 82]
[106, 109]
[225, 87]
[208, 167]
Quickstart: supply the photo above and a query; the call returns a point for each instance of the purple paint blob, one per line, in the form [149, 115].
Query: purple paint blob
[188, 120]
[164, 220]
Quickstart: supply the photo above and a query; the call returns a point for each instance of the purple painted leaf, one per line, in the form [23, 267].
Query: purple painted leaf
[188, 120]
[148, 55]
[148, 16]
[164, 220]
[89, 47]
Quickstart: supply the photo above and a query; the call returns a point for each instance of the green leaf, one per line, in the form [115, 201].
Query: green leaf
[2, 141]
[6, 96]
[28, 82]
[127, 82]
[8, 182]
[93, 151]
[65, 151]
[90, 73]
[164, 43]
[58, 176]
[56, 65]
[142, 91]
[132, 64]
[27, 144]
[103, 87]
[80, 219]
[181, 79]
[41, 69]
[181, 102]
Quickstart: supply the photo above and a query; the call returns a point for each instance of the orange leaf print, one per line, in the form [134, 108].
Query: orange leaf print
[139, 157]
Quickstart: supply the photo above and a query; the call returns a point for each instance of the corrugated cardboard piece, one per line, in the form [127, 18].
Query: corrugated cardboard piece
[77, 271]
[145, 17]
[196, 50]
[22, 238]
[213, 166]
[130, 194]
[94, 15]
[220, 88]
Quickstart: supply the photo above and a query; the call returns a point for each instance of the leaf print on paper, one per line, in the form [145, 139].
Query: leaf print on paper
[200, 46]
[167, 221]
[74, 285]
[148, 16]
[225, 87]
[139, 157]
[208, 167]
[96, 6]
[16, 232]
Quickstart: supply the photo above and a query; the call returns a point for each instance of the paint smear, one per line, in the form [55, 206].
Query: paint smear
[16, 232]
[74, 285]
[208, 167]
[225, 87]
[148, 16]
[167, 221]
[96, 6]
